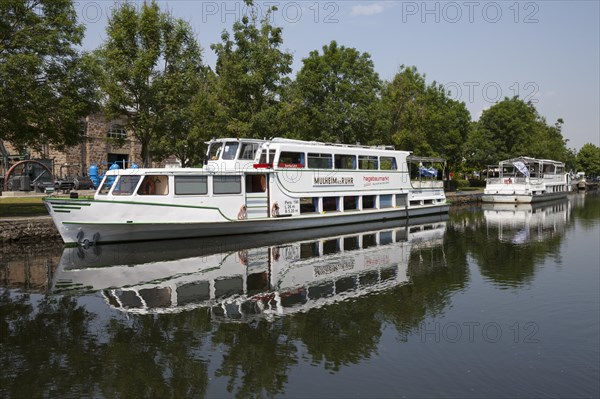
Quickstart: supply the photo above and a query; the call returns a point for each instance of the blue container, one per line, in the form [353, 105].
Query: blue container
[93, 173]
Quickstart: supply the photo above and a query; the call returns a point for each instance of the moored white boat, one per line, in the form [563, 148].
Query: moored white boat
[253, 186]
[526, 180]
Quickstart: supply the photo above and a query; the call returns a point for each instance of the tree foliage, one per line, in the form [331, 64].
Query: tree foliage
[151, 63]
[423, 118]
[252, 75]
[336, 94]
[513, 128]
[46, 85]
[588, 159]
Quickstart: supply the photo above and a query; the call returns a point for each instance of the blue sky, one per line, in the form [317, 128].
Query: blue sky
[545, 51]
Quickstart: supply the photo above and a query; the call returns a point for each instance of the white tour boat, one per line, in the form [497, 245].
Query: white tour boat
[526, 180]
[254, 186]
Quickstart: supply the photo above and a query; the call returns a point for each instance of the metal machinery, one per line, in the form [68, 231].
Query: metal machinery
[72, 178]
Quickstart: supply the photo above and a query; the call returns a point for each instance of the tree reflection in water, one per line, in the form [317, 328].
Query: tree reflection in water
[54, 345]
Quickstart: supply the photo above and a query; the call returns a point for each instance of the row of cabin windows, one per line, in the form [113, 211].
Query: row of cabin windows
[351, 203]
[184, 185]
[288, 159]
[228, 151]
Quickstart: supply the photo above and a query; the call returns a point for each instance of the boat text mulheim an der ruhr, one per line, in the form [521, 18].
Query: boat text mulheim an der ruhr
[253, 186]
[526, 180]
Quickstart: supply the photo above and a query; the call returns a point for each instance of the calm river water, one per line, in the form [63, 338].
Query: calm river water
[491, 301]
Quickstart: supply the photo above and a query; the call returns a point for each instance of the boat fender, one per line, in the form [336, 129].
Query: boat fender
[275, 210]
[243, 213]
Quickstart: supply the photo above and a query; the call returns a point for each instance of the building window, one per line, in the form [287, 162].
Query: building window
[117, 131]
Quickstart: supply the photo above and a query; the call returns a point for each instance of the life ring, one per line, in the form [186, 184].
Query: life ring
[148, 187]
[243, 213]
[275, 210]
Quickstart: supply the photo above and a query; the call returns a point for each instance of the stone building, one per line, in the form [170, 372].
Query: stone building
[100, 147]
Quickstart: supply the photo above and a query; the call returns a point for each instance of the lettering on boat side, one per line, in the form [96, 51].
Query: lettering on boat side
[329, 269]
[291, 207]
[375, 180]
[333, 181]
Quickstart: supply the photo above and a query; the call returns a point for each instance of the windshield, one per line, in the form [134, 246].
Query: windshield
[214, 151]
[230, 150]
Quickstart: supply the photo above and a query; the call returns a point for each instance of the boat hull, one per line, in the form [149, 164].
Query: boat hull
[101, 233]
[522, 198]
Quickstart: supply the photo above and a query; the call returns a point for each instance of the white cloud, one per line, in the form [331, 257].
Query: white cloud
[371, 9]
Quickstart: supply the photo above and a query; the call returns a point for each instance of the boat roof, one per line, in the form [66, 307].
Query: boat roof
[531, 160]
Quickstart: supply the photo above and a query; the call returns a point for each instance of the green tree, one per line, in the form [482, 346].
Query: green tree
[252, 73]
[513, 128]
[150, 62]
[423, 118]
[588, 159]
[336, 94]
[46, 85]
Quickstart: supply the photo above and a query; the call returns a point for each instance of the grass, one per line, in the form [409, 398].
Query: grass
[22, 206]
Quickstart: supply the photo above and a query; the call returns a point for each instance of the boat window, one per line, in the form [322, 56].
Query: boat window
[320, 161]
[256, 183]
[230, 150]
[351, 243]
[263, 157]
[309, 250]
[289, 159]
[227, 184]
[126, 185]
[401, 200]
[308, 204]
[214, 151]
[350, 203]
[191, 185]
[331, 246]
[368, 202]
[369, 240]
[248, 150]
[367, 162]
[330, 204]
[345, 161]
[385, 201]
[387, 163]
[154, 185]
[106, 185]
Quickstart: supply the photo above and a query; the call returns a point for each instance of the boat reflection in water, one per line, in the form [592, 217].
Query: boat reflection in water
[250, 276]
[522, 223]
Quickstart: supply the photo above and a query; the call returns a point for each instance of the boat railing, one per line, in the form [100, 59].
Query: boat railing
[427, 183]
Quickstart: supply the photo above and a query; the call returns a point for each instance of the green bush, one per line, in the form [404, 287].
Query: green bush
[476, 183]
